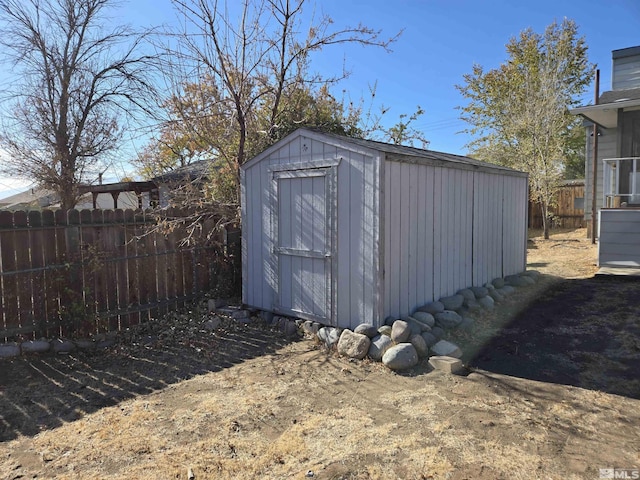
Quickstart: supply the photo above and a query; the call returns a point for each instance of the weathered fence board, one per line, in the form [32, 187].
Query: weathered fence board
[568, 209]
[82, 273]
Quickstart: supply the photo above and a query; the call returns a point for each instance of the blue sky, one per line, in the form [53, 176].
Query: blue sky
[442, 39]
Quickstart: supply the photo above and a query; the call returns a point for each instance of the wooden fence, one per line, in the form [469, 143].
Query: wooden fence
[569, 209]
[79, 273]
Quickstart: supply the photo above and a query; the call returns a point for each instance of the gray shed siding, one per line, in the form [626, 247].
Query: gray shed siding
[355, 268]
[447, 229]
[619, 238]
[409, 226]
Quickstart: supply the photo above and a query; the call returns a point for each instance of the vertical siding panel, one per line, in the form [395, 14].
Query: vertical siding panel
[403, 243]
[438, 227]
[307, 244]
[343, 249]
[448, 239]
[421, 234]
[368, 233]
[477, 227]
[469, 229]
[393, 258]
[413, 254]
[429, 234]
[388, 218]
[356, 210]
[319, 243]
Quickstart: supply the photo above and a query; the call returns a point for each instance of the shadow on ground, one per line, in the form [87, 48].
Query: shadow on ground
[43, 392]
[583, 332]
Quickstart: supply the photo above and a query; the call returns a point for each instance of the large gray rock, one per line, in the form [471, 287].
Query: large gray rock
[467, 294]
[414, 325]
[385, 330]
[35, 346]
[446, 364]
[446, 349]
[432, 308]
[8, 350]
[489, 286]
[420, 345]
[424, 317]
[400, 331]
[429, 338]
[62, 346]
[379, 345]
[329, 336]
[448, 319]
[471, 305]
[506, 290]
[310, 328]
[496, 295]
[400, 357]
[516, 281]
[498, 282]
[535, 274]
[487, 302]
[366, 329]
[453, 302]
[480, 292]
[527, 279]
[353, 345]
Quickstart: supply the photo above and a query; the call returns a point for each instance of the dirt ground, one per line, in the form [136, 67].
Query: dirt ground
[553, 393]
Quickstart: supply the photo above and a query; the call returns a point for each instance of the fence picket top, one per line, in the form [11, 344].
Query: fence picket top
[129, 216]
[35, 218]
[48, 218]
[118, 215]
[97, 216]
[85, 216]
[60, 217]
[109, 216]
[73, 217]
[6, 219]
[20, 218]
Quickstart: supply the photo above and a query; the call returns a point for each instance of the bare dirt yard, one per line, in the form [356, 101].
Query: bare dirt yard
[553, 393]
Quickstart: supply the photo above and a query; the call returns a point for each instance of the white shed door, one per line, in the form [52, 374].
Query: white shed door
[302, 229]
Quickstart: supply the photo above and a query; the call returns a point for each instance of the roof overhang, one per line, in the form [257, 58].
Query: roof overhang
[605, 114]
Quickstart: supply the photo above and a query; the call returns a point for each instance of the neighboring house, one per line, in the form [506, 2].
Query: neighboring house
[617, 156]
[32, 199]
[156, 192]
[95, 196]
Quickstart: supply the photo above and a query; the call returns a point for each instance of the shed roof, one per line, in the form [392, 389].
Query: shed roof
[399, 153]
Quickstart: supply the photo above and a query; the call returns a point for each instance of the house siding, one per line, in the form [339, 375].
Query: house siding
[607, 148]
[626, 72]
[619, 237]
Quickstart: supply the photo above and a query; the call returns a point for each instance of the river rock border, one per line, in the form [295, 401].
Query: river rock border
[402, 342]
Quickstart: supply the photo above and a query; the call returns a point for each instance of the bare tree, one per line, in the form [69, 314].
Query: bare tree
[76, 83]
[251, 63]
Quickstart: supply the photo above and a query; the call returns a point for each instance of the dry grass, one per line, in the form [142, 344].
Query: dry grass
[299, 409]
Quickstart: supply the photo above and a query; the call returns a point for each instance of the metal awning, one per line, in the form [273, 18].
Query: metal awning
[605, 114]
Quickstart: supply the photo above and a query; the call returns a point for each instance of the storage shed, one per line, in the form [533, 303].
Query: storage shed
[347, 231]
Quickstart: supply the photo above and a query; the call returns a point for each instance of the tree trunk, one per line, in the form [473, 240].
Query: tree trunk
[545, 219]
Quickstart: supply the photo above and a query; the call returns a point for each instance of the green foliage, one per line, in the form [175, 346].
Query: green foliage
[518, 112]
